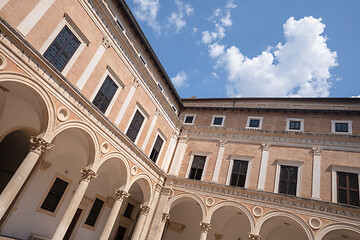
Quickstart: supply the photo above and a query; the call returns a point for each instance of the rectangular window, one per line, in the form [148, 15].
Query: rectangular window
[348, 188]
[294, 125]
[94, 212]
[189, 119]
[341, 127]
[197, 167]
[238, 174]
[288, 180]
[218, 121]
[55, 194]
[62, 48]
[135, 126]
[128, 210]
[105, 94]
[254, 122]
[156, 149]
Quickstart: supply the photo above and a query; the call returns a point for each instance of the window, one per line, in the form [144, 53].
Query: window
[238, 173]
[348, 188]
[293, 124]
[62, 48]
[128, 210]
[288, 180]
[105, 94]
[94, 212]
[174, 108]
[341, 127]
[189, 119]
[135, 125]
[197, 167]
[142, 59]
[160, 87]
[54, 195]
[254, 122]
[218, 121]
[120, 25]
[156, 149]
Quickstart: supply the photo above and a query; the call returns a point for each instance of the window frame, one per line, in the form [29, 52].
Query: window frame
[67, 21]
[88, 212]
[146, 116]
[108, 72]
[254, 118]
[338, 168]
[196, 153]
[189, 115]
[333, 129]
[288, 120]
[62, 177]
[292, 163]
[218, 116]
[248, 171]
[160, 134]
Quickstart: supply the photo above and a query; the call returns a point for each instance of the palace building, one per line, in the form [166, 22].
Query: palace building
[96, 143]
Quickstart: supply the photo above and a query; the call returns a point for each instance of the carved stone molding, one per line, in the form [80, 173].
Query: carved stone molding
[157, 112]
[121, 194]
[254, 237]
[316, 151]
[167, 192]
[106, 42]
[222, 143]
[205, 227]
[39, 145]
[265, 147]
[88, 174]
[158, 187]
[165, 217]
[144, 210]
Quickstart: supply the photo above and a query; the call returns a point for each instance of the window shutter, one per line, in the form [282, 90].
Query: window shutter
[54, 195]
[135, 126]
[94, 212]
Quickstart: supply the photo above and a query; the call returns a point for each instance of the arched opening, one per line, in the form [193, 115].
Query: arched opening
[229, 223]
[281, 227]
[341, 234]
[13, 149]
[184, 222]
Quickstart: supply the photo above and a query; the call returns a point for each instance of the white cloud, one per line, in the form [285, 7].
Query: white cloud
[214, 75]
[177, 18]
[300, 67]
[195, 29]
[146, 10]
[180, 80]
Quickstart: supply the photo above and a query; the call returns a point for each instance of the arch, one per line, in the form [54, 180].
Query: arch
[179, 197]
[220, 205]
[289, 215]
[147, 192]
[42, 94]
[336, 226]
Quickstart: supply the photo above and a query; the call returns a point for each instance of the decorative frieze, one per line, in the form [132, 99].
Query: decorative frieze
[39, 145]
[144, 209]
[87, 174]
[121, 195]
[205, 227]
[165, 217]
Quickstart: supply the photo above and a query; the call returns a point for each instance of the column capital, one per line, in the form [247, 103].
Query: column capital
[106, 42]
[265, 147]
[157, 112]
[121, 195]
[254, 236]
[39, 145]
[222, 143]
[144, 209]
[316, 151]
[167, 191]
[136, 82]
[205, 227]
[158, 187]
[87, 174]
[165, 217]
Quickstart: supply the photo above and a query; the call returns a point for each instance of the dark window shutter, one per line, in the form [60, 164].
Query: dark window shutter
[238, 174]
[94, 212]
[156, 149]
[105, 94]
[55, 194]
[197, 167]
[348, 188]
[288, 180]
[135, 126]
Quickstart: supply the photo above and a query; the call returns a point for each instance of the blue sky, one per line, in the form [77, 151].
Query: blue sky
[227, 48]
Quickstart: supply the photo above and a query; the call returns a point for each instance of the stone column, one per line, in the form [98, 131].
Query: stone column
[144, 211]
[205, 228]
[127, 101]
[87, 175]
[157, 227]
[38, 146]
[316, 181]
[120, 196]
[179, 156]
[219, 159]
[170, 150]
[156, 116]
[254, 237]
[263, 166]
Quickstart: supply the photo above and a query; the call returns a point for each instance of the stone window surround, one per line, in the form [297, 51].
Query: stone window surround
[333, 122]
[56, 175]
[146, 117]
[189, 115]
[108, 72]
[100, 213]
[217, 116]
[199, 153]
[67, 21]
[241, 158]
[295, 119]
[293, 163]
[338, 168]
[160, 134]
[255, 118]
